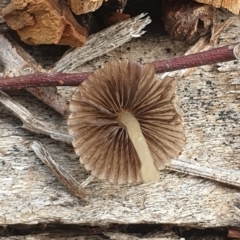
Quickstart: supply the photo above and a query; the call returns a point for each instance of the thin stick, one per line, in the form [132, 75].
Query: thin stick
[67, 180]
[221, 54]
[234, 233]
[43, 80]
[216, 55]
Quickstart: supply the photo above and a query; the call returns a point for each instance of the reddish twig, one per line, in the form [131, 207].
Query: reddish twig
[43, 80]
[234, 233]
[221, 54]
[216, 55]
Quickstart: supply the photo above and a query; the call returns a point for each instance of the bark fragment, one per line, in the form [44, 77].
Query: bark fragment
[187, 20]
[232, 5]
[44, 22]
[84, 6]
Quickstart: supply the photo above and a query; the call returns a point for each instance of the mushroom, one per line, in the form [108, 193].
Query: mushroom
[124, 124]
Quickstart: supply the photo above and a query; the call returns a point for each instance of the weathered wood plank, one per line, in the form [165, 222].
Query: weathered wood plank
[104, 235]
[29, 194]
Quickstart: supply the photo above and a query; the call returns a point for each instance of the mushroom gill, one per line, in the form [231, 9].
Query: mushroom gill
[124, 124]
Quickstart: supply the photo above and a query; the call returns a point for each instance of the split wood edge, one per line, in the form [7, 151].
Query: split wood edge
[17, 62]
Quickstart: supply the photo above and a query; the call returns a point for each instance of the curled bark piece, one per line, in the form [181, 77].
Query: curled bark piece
[84, 6]
[104, 134]
[44, 22]
[187, 20]
[232, 5]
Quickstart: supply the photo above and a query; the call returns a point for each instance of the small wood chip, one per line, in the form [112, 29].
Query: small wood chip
[84, 6]
[232, 5]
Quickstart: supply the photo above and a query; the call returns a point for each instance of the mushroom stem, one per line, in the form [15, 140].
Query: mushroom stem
[148, 170]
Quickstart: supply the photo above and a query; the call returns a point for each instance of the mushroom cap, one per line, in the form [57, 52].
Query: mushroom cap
[102, 142]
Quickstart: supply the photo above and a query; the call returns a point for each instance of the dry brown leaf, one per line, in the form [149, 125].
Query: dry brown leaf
[103, 142]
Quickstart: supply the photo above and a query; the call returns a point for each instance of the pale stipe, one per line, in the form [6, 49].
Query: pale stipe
[148, 169]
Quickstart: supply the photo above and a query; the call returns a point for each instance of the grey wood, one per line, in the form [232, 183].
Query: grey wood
[209, 104]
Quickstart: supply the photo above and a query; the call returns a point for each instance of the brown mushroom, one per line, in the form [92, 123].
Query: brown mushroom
[124, 124]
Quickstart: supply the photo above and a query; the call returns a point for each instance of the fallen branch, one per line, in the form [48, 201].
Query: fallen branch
[221, 54]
